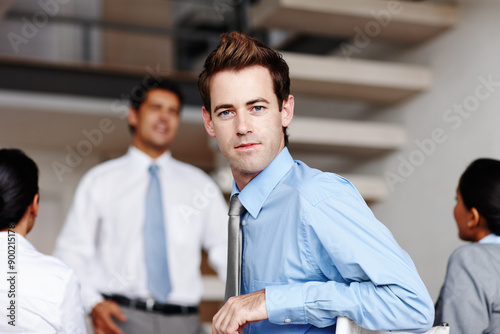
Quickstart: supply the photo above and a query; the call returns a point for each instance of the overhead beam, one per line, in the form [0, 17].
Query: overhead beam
[105, 81]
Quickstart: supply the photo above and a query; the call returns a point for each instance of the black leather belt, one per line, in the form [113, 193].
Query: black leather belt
[151, 305]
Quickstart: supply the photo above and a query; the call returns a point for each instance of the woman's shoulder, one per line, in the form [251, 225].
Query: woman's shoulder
[48, 265]
[476, 254]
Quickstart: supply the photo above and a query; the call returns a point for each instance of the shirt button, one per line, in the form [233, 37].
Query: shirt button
[287, 320]
[243, 223]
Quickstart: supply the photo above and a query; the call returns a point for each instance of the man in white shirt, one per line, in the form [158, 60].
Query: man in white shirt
[105, 239]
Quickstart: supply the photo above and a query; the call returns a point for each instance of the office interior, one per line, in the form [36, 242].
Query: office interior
[398, 96]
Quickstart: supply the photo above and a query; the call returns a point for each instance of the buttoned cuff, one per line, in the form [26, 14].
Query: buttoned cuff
[285, 304]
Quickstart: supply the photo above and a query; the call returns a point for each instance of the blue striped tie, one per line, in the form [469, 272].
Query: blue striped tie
[154, 239]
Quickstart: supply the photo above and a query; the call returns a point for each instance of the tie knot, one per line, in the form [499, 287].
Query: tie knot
[153, 169]
[235, 207]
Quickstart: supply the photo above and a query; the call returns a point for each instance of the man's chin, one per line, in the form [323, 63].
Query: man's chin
[247, 168]
[160, 144]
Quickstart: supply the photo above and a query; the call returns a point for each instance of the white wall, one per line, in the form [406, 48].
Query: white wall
[419, 210]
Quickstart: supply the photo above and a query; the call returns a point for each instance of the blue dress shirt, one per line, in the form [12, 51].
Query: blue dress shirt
[312, 243]
[490, 239]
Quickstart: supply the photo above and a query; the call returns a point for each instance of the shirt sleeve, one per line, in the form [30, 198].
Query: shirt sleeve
[367, 276]
[462, 303]
[73, 315]
[76, 243]
[216, 229]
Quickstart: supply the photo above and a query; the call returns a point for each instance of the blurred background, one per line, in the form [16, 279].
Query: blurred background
[398, 96]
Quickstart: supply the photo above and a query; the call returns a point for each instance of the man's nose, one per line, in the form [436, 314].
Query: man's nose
[243, 123]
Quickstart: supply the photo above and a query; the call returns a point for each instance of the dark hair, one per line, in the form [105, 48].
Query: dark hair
[139, 92]
[479, 187]
[18, 186]
[236, 52]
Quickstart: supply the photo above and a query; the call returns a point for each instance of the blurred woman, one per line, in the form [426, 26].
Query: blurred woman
[470, 297]
[38, 293]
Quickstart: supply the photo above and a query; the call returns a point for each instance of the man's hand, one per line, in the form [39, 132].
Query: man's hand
[102, 317]
[239, 311]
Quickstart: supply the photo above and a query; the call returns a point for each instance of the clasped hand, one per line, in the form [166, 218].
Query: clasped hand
[239, 311]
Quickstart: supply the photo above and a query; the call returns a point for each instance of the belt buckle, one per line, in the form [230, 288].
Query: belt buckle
[150, 303]
[184, 309]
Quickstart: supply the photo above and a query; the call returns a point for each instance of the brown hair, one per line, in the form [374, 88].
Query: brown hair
[237, 51]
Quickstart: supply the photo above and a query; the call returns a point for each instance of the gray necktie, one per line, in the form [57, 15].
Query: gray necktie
[234, 248]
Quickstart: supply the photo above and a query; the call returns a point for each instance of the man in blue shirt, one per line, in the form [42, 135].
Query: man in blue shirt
[312, 249]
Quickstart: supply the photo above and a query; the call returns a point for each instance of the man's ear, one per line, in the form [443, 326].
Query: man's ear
[132, 117]
[207, 120]
[287, 111]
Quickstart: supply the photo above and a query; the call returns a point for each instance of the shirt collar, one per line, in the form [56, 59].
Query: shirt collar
[258, 189]
[145, 160]
[490, 239]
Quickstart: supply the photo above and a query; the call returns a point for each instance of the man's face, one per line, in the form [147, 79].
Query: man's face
[156, 122]
[246, 118]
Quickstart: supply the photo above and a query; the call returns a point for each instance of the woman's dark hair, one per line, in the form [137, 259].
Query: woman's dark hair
[479, 187]
[18, 186]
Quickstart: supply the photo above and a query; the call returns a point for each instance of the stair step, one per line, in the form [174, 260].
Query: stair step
[344, 136]
[401, 22]
[372, 188]
[364, 80]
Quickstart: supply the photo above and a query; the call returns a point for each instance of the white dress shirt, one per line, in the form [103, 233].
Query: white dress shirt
[102, 239]
[46, 296]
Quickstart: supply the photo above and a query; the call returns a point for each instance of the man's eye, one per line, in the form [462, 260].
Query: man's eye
[258, 108]
[224, 113]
